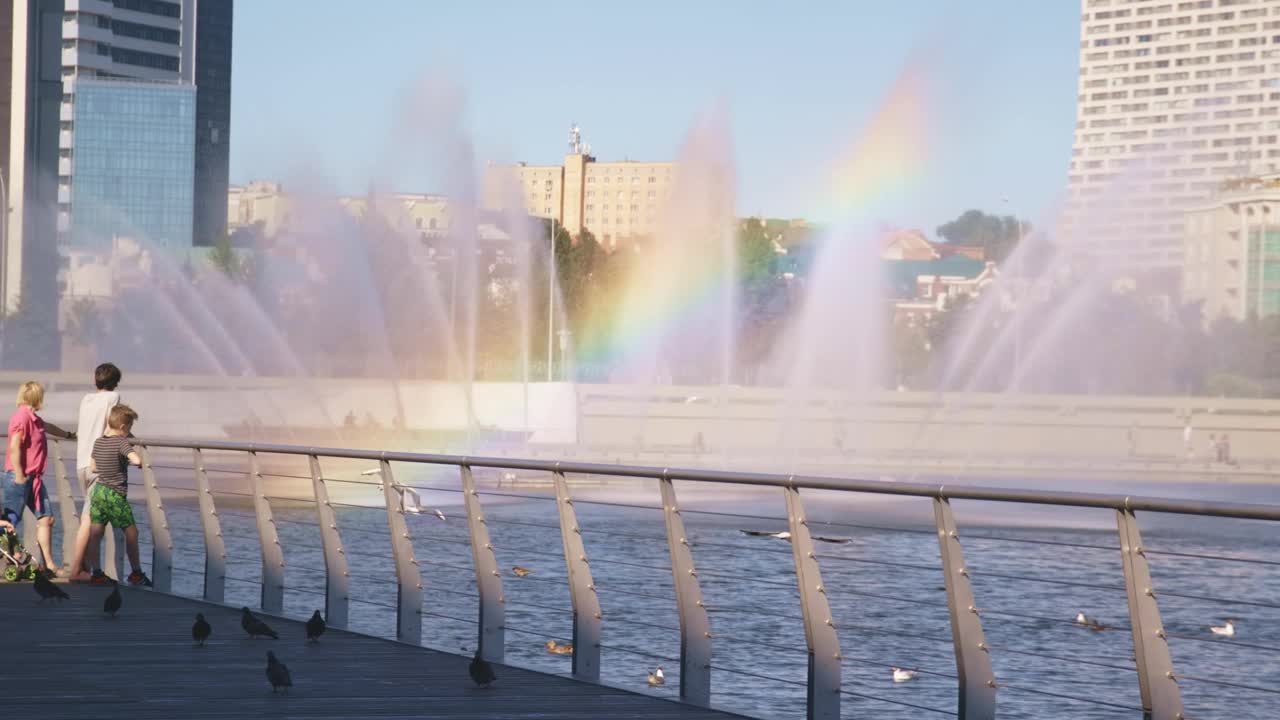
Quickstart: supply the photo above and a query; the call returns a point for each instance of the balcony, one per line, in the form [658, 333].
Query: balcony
[97, 7]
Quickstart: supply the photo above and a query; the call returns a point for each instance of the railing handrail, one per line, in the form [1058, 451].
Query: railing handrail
[1129, 503]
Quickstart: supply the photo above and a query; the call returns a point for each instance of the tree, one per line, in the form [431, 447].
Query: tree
[996, 235]
[223, 258]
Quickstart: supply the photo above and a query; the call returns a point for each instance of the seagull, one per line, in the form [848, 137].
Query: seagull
[521, 571]
[481, 671]
[556, 648]
[112, 604]
[47, 590]
[315, 627]
[1227, 630]
[437, 513]
[277, 673]
[254, 626]
[786, 535]
[201, 630]
[901, 676]
[656, 677]
[1081, 619]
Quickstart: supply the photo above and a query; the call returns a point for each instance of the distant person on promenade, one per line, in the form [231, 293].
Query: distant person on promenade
[109, 503]
[1186, 439]
[24, 466]
[94, 409]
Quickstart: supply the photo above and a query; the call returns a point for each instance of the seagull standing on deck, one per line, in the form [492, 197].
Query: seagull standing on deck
[1227, 630]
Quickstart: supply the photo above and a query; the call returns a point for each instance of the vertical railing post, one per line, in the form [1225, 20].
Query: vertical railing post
[408, 575]
[695, 628]
[215, 551]
[1157, 686]
[66, 505]
[582, 590]
[977, 682]
[269, 540]
[492, 635]
[337, 579]
[823, 701]
[161, 542]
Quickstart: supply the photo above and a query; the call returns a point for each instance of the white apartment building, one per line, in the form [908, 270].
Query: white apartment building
[1175, 96]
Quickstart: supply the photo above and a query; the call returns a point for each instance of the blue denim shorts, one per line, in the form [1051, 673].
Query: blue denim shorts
[16, 497]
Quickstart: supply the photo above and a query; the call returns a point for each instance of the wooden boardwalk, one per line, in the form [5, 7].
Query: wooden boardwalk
[70, 661]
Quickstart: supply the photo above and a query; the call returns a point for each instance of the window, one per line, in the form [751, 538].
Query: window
[652, 179]
[547, 210]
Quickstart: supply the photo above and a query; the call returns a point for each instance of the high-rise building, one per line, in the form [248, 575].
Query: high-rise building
[616, 201]
[212, 76]
[1174, 97]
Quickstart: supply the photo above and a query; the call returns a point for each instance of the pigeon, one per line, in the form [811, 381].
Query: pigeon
[656, 677]
[113, 602]
[901, 676]
[254, 626]
[521, 571]
[277, 673]
[556, 648]
[201, 630]
[315, 627]
[47, 590]
[1227, 630]
[481, 671]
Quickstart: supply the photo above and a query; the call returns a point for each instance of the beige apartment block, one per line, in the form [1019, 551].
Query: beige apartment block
[1175, 96]
[1231, 257]
[259, 203]
[618, 202]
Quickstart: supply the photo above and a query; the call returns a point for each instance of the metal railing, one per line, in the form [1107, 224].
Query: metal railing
[1157, 690]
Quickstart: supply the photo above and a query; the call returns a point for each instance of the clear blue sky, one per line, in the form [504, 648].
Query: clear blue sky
[320, 89]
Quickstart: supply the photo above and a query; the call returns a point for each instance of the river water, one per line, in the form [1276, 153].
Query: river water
[1032, 569]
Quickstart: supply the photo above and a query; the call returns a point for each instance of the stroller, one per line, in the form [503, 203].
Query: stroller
[18, 562]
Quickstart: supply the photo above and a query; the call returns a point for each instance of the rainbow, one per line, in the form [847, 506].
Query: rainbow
[670, 290]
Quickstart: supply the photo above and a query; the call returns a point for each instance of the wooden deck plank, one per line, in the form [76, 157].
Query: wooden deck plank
[143, 664]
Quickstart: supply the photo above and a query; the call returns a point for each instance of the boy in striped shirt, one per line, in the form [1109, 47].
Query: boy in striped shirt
[109, 501]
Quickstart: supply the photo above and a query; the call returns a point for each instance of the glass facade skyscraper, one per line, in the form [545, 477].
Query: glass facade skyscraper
[133, 164]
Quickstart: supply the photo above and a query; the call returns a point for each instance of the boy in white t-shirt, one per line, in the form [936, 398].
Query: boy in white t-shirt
[94, 409]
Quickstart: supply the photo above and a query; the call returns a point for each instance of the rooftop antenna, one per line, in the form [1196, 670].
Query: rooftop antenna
[575, 139]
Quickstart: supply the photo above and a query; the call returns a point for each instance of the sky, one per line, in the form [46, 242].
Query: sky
[324, 93]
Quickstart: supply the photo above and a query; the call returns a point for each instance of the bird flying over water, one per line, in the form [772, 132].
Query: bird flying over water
[315, 627]
[112, 604]
[521, 571]
[656, 677]
[254, 626]
[901, 676]
[277, 673]
[481, 671]
[786, 535]
[1227, 630]
[201, 629]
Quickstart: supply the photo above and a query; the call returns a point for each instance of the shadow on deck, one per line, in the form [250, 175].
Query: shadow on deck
[71, 661]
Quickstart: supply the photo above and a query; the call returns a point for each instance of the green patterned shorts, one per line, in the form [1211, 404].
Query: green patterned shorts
[108, 507]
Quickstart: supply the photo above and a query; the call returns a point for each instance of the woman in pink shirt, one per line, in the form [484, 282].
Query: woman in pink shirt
[24, 465]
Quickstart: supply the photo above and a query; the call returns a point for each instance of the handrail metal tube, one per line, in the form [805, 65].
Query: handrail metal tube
[823, 687]
[337, 594]
[582, 589]
[161, 541]
[695, 627]
[491, 636]
[215, 550]
[977, 685]
[408, 577]
[1157, 687]
[269, 540]
[808, 482]
[66, 504]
